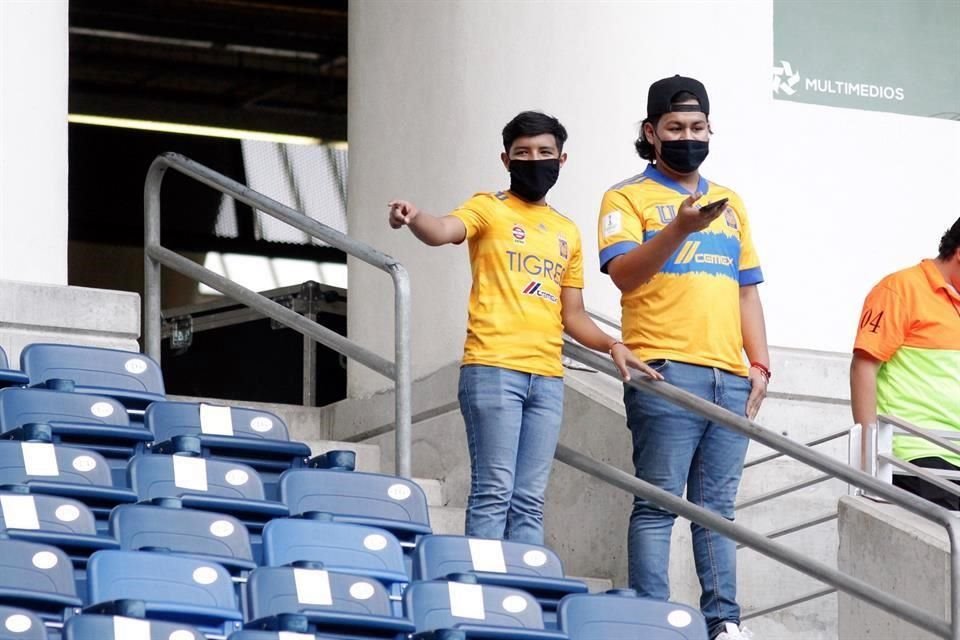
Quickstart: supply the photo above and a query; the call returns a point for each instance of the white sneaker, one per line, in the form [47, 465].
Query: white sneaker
[732, 632]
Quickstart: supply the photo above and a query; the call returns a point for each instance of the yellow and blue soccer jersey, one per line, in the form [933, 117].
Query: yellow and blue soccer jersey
[521, 254]
[690, 310]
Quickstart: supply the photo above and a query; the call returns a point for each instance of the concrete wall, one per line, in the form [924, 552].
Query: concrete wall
[432, 84]
[33, 131]
[73, 315]
[905, 555]
[807, 400]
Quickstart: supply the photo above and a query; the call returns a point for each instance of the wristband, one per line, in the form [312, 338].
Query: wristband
[610, 350]
[762, 368]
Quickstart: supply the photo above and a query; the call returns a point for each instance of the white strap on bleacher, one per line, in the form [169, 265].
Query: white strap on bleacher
[313, 586]
[190, 473]
[130, 629]
[19, 512]
[39, 459]
[487, 555]
[466, 601]
[215, 421]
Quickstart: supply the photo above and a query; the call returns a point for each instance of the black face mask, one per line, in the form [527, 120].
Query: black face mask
[531, 179]
[684, 156]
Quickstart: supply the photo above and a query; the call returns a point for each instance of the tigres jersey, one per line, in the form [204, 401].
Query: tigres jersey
[690, 310]
[521, 254]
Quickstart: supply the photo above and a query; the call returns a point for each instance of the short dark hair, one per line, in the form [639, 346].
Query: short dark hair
[533, 123]
[645, 148]
[950, 241]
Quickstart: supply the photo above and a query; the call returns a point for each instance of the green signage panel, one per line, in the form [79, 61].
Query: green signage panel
[900, 56]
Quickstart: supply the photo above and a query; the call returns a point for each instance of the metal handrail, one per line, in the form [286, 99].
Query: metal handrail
[611, 475]
[156, 255]
[883, 432]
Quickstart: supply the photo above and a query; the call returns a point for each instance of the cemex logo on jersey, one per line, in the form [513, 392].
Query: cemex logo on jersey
[535, 288]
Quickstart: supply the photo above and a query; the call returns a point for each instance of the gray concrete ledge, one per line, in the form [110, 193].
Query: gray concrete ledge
[32, 312]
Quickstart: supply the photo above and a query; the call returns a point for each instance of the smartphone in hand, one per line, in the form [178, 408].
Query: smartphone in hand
[713, 207]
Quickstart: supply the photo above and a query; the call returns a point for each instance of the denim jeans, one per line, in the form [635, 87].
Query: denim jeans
[513, 424]
[673, 447]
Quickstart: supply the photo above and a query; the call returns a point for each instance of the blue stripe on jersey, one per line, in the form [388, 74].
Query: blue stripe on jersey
[654, 174]
[751, 276]
[616, 249]
[712, 253]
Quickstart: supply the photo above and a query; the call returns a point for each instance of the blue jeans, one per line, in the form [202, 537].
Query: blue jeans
[513, 424]
[672, 448]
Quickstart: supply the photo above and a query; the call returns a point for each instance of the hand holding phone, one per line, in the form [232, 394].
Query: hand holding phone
[713, 207]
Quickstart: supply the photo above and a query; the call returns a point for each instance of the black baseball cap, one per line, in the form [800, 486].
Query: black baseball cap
[662, 92]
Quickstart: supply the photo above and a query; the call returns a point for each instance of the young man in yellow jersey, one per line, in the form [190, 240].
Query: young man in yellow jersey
[688, 280]
[906, 361]
[527, 278]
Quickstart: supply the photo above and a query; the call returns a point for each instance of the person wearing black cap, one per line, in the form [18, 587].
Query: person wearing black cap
[680, 250]
[906, 362]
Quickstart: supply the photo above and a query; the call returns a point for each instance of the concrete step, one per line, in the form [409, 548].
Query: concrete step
[434, 490]
[447, 520]
[595, 585]
[368, 455]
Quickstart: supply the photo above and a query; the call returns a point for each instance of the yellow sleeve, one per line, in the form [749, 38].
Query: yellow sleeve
[573, 276]
[475, 214]
[750, 272]
[620, 228]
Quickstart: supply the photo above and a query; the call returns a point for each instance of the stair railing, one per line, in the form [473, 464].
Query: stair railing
[155, 256]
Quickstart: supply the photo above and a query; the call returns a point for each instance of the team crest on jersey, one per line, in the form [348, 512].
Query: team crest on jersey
[564, 249]
[731, 219]
[519, 235]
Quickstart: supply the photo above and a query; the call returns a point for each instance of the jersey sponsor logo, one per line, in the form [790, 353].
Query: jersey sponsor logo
[535, 288]
[534, 265]
[612, 224]
[564, 248]
[731, 219]
[689, 253]
[519, 235]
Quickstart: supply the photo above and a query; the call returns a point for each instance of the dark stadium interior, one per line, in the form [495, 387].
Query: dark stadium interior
[277, 67]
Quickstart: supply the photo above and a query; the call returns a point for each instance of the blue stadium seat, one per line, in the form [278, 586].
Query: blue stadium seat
[351, 548]
[54, 520]
[132, 378]
[10, 377]
[388, 502]
[20, 624]
[93, 422]
[464, 609]
[49, 469]
[213, 537]
[341, 604]
[279, 635]
[208, 485]
[621, 614]
[535, 569]
[94, 627]
[39, 578]
[171, 588]
[249, 436]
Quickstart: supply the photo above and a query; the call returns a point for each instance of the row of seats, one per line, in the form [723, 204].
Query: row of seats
[128, 479]
[199, 597]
